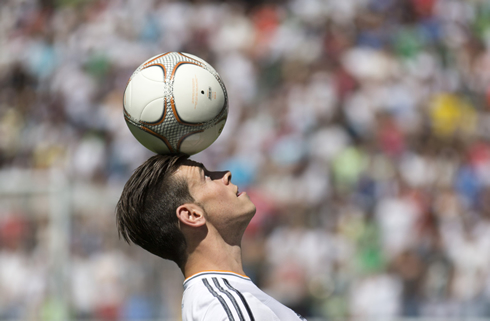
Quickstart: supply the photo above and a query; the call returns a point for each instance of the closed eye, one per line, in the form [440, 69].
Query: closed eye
[202, 173]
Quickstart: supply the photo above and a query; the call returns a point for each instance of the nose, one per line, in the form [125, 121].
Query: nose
[227, 177]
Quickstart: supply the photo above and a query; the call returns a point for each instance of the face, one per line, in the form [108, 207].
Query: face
[224, 205]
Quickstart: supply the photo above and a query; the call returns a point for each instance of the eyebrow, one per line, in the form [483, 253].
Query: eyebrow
[200, 166]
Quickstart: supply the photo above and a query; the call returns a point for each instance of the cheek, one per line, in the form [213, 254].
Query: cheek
[223, 207]
[215, 200]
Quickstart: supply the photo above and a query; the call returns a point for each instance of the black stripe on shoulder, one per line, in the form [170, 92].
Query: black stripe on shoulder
[244, 301]
[230, 296]
[220, 299]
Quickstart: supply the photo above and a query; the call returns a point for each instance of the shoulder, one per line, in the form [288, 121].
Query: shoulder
[216, 311]
[195, 301]
[213, 298]
[225, 296]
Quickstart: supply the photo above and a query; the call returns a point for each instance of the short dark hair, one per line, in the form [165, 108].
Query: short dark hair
[146, 210]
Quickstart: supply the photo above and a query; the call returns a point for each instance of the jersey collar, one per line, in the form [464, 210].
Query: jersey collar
[212, 272]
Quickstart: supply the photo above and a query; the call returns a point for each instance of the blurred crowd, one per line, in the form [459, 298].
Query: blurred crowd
[360, 129]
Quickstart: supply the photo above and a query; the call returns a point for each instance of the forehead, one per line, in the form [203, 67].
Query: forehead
[191, 163]
[190, 170]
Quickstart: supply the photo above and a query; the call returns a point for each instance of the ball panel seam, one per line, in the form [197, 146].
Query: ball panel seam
[159, 136]
[161, 119]
[172, 103]
[156, 65]
[164, 140]
[198, 62]
[185, 136]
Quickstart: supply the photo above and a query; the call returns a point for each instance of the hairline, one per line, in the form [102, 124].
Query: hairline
[179, 176]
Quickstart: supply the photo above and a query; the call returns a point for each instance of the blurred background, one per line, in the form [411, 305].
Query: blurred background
[360, 129]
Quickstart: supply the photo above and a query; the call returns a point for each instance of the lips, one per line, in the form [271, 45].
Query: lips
[238, 193]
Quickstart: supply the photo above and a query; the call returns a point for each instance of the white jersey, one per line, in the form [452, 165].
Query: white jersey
[227, 296]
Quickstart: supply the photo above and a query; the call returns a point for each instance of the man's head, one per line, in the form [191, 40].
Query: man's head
[218, 204]
[169, 200]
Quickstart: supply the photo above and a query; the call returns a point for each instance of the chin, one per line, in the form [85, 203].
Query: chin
[248, 215]
[252, 210]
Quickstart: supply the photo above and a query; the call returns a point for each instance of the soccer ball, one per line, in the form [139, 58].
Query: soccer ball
[175, 103]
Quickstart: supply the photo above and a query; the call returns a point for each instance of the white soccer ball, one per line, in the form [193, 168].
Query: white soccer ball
[175, 103]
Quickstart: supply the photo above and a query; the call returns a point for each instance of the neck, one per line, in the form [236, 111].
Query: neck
[214, 254]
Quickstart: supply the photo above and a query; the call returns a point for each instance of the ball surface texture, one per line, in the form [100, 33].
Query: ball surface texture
[175, 103]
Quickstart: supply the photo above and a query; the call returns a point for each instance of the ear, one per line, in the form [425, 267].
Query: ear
[191, 214]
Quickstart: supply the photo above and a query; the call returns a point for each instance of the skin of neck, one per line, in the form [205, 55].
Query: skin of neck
[210, 250]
